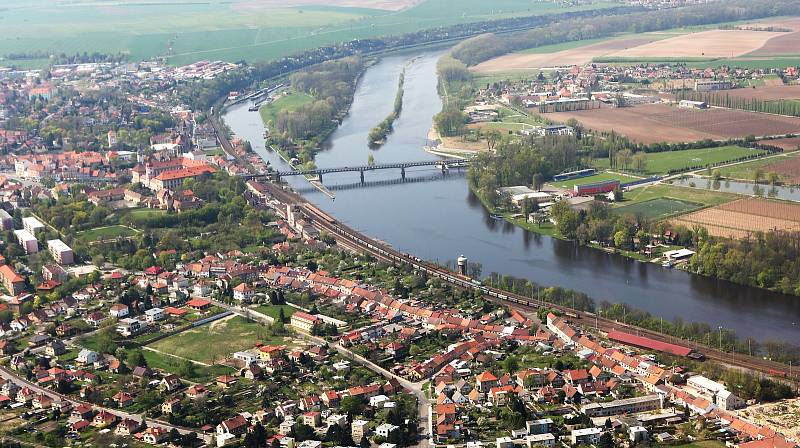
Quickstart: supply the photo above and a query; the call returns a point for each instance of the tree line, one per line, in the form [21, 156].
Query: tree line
[780, 107]
[481, 48]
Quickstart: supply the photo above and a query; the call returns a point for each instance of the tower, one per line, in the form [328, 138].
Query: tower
[462, 265]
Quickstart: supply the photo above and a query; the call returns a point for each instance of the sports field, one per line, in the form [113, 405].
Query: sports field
[600, 177]
[212, 342]
[289, 102]
[187, 31]
[658, 208]
[106, 233]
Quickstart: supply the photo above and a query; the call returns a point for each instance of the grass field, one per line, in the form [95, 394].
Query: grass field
[145, 212]
[215, 341]
[658, 208]
[747, 170]
[663, 162]
[173, 365]
[689, 195]
[106, 233]
[187, 31]
[288, 102]
[273, 311]
[600, 177]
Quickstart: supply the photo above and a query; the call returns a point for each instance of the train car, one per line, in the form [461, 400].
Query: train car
[572, 314]
[779, 373]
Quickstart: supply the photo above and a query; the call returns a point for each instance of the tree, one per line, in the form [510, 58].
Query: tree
[606, 440]
[640, 162]
[135, 358]
[492, 138]
[281, 315]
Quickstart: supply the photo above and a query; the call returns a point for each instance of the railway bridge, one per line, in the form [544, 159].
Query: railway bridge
[444, 165]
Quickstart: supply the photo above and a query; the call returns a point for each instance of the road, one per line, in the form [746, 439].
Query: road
[423, 403]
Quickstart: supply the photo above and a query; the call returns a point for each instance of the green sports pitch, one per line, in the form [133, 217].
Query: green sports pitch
[664, 162]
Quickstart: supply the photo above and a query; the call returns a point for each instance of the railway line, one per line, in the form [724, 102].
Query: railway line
[354, 239]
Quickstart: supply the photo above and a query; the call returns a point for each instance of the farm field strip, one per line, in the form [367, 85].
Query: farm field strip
[739, 219]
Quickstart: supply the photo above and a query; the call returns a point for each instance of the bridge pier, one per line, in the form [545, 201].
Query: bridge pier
[319, 175]
[403, 172]
[362, 176]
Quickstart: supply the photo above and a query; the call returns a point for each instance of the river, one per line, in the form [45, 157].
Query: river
[435, 216]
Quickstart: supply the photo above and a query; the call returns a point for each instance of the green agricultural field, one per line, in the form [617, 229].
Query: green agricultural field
[663, 162]
[658, 208]
[600, 177]
[106, 233]
[216, 340]
[289, 102]
[685, 194]
[187, 31]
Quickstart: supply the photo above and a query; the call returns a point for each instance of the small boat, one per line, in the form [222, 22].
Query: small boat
[496, 216]
[667, 264]
[253, 108]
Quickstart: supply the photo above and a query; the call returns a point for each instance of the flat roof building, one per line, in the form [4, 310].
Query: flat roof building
[27, 241]
[32, 224]
[61, 253]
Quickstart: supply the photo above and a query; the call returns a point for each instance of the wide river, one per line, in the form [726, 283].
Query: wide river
[435, 217]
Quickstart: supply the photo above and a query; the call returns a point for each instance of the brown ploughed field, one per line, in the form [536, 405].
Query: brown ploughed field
[739, 219]
[654, 123]
[714, 43]
[788, 169]
[787, 144]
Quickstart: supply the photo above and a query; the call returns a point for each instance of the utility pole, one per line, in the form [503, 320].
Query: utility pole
[720, 338]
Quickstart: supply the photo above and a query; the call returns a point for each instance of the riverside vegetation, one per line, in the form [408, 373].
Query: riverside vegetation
[377, 135]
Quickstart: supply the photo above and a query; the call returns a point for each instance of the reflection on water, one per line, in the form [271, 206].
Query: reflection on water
[440, 219]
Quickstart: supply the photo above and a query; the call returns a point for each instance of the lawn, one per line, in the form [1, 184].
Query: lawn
[274, 310]
[600, 177]
[658, 208]
[219, 339]
[144, 212]
[106, 233]
[690, 195]
[289, 102]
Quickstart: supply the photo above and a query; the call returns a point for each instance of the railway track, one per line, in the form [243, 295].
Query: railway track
[355, 240]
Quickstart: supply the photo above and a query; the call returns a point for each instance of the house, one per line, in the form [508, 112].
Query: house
[82, 412]
[235, 426]
[141, 372]
[129, 327]
[540, 426]
[304, 321]
[123, 399]
[155, 435]
[154, 315]
[118, 310]
[95, 319]
[312, 419]
[359, 429]
[545, 440]
[485, 381]
[586, 436]
[196, 391]
[13, 282]
[225, 381]
[171, 405]
[170, 383]
[127, 427]
[243, 292]
[385, 429]
[87, 357]
[199, 304]
[103, 419]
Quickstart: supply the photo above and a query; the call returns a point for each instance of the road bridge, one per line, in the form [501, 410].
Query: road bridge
[444, 165]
